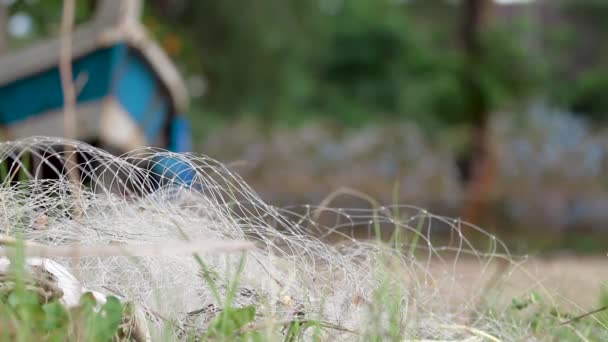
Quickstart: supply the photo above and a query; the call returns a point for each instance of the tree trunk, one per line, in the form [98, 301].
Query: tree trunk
[480, 163]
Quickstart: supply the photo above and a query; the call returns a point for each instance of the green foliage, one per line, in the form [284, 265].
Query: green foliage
[100, 325]
[587, 94]
[524, 302]
[577, 54]
[352, 61]
[23, 313]
[46, 17]
[226, 325]
[55, 316]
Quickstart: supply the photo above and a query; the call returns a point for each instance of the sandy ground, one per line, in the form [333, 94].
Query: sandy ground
[574, 281]
[575, 278]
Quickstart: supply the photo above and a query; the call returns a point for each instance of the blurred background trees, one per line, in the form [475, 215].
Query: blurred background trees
[351, 61]
[360, 60]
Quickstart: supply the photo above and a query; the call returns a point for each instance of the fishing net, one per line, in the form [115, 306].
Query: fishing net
[316, 262]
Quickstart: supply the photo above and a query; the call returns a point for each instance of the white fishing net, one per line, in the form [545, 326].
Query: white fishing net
[315, 262]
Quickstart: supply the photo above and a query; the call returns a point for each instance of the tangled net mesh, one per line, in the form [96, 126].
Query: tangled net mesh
[321, 262]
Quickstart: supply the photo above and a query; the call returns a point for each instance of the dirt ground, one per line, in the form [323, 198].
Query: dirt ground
[575, 281]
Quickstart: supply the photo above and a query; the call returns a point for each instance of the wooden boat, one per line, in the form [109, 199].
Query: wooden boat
[129, 94]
